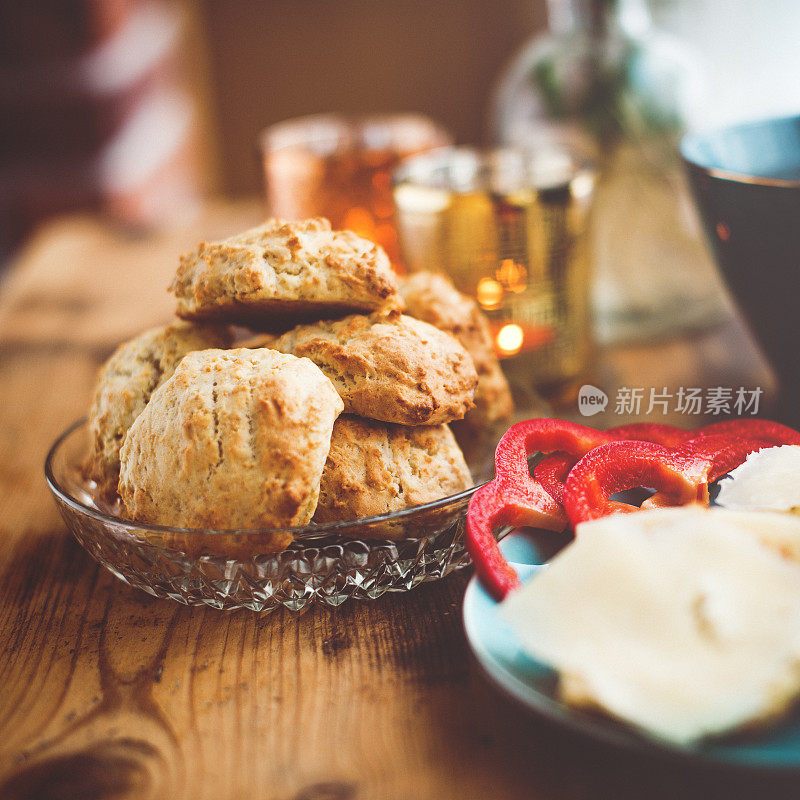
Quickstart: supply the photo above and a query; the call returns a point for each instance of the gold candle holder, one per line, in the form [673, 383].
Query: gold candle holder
[509, 228]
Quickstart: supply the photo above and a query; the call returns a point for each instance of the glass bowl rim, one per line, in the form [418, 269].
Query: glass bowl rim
[339, 527]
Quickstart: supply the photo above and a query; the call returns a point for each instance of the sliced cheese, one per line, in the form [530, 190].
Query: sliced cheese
[768, 479]
[678, 621]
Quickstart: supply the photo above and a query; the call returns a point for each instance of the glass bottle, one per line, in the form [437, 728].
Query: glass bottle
[604, 80]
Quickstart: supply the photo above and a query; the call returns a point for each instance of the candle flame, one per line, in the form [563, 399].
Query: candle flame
[490, 293]
[509, 339]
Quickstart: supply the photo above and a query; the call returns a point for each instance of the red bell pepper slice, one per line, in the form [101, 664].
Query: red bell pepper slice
[492, 506]
[678, 464]
[515, 498]
[719, 453]
[544, 436]
[658, 433]
[680, 475]
[744, 436]
[772, 433]
[627, 464]
[709, 458]
[552, 470]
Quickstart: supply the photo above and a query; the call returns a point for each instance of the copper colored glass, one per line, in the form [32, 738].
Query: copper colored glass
[341, 168]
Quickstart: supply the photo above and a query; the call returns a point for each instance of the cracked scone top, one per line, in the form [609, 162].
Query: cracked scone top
[389, 367]
[282, 273]
[375, 468]
[234, 439]
[433, 298]
[125, 383]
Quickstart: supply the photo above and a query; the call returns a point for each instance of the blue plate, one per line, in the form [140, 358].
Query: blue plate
[534, 686]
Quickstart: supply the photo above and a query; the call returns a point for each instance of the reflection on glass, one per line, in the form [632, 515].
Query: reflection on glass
[508, 227]
[340, 168]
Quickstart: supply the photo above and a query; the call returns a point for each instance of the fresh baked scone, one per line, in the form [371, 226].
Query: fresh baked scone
[124, 386]
[432, 298]
[374, 468]
[281, 273]
[234, 439]
[389, 367]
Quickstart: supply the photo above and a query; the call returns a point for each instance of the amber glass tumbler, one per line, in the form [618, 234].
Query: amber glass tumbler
[340, 168]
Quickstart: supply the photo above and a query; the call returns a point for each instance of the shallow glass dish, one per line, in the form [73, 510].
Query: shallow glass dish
[325, 564]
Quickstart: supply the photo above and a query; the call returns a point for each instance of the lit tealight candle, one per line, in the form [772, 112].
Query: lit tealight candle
[490, 293]
[509, 339]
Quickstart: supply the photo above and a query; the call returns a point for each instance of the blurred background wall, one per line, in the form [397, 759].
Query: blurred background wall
[136, 106]
[139, 107]
[279, 59]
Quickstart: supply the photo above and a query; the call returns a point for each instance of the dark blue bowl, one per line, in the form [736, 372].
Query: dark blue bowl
[746, 182]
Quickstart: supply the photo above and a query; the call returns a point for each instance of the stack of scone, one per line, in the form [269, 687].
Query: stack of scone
[344, 415]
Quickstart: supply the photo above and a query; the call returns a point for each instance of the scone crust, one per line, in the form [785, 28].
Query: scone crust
[234, 439]
[432, 298]
[280, 273]
[375, 468]
[389, 367]
[125, 383]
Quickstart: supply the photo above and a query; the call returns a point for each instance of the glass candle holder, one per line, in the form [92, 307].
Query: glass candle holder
[608, 80]
[509, 228]
[340, 168]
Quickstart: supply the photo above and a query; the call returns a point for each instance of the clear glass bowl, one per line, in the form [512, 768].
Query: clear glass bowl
[236, 569]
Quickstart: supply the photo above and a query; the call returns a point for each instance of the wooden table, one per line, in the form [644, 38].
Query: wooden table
[108, 693]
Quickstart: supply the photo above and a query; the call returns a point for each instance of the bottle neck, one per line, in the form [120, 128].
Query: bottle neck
[598, 17]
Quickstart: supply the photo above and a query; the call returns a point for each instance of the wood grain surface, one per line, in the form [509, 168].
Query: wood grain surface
[106, 692]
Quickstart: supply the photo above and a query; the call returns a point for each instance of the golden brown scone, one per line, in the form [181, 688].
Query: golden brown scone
[433, 298]
[374, 468]
[234, 439]
[281, 273]
[389, 367]
[124, 386]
